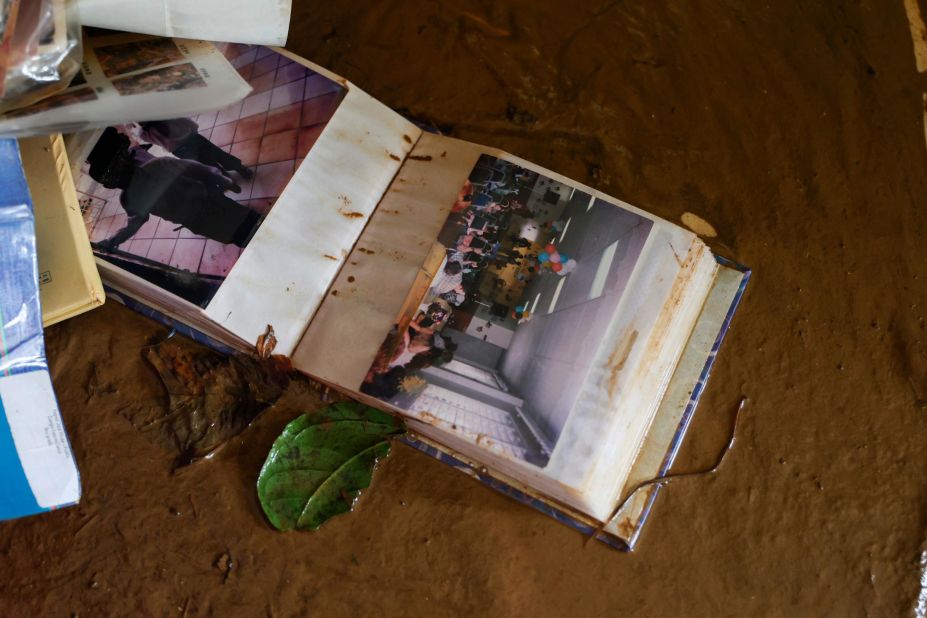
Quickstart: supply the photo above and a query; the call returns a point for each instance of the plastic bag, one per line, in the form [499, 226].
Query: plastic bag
[40, 50]
[21, 345]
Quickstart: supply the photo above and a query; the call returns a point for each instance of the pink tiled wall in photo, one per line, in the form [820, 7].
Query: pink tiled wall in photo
[271, 131]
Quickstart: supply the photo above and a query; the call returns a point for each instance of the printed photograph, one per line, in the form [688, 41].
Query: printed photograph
[136, 56]
[177, 201]
[496, 345]
[165, 79]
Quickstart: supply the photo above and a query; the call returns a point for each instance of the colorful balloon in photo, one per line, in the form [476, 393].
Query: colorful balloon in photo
[555, 257]
[557, 267]
[568, 267]
[551, 248]
[543, 257]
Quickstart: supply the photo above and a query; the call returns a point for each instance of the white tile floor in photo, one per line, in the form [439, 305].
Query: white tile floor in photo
[475, 419]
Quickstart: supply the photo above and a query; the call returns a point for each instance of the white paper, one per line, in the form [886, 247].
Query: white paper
[35, 423]
[262, 22]
[112, 88]
[285, 273]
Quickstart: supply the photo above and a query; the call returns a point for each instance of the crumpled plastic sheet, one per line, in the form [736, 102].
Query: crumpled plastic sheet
[22, 345]
[40, 50]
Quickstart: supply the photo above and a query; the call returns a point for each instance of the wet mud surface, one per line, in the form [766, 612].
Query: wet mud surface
[795, 131]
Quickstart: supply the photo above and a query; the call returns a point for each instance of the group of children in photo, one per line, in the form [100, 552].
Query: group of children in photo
[478, 235]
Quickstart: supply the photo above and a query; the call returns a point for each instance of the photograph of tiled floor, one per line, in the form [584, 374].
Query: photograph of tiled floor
[271, 131]
[479, 421]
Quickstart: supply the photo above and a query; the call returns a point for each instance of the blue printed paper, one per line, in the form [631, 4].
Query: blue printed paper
[37, 469]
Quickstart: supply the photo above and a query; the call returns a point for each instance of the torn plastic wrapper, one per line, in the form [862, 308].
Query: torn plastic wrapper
[37, 469]
[40, 50]
[259, 22]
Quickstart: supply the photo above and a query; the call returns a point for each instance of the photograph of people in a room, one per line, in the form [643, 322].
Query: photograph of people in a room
[175, 202]
[526, 275]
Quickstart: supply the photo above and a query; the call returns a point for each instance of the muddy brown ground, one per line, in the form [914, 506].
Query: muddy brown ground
[795, 129]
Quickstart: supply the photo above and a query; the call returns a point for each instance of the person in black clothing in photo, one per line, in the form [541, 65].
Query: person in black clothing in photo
[184, 192]
[181, 138]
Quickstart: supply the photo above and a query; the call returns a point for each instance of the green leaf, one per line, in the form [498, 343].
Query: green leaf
[318, 466]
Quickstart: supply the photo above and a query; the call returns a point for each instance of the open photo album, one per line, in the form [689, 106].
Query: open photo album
[545, 337]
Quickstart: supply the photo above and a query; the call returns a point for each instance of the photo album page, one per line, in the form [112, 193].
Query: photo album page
[239, 217]
[506, 310]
